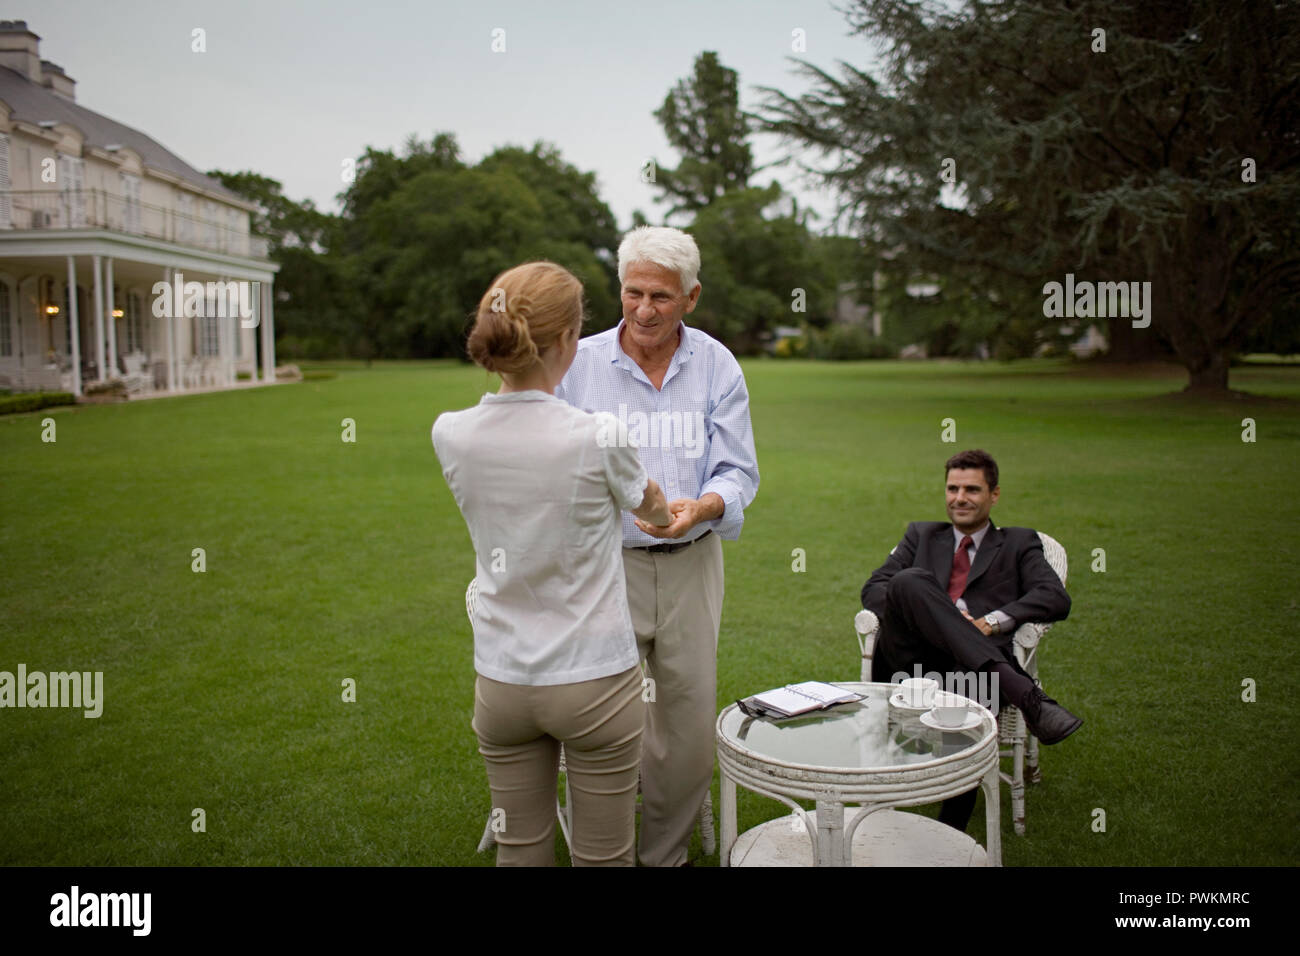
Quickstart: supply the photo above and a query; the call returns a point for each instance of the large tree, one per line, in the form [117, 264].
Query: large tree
[760, 266]
[581, 231]
[703, 121]
[425, 234]
[1116, 141]
[309, 313]
[758, 270]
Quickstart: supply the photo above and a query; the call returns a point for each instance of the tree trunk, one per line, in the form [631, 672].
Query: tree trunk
[1187, 307]
[1210, 374]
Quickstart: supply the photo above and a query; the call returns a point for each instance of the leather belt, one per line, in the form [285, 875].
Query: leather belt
[671, 548]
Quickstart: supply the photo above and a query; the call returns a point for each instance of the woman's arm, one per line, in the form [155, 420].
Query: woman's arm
[653, 507]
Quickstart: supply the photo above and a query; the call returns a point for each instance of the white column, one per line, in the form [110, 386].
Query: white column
[170, 319]
[74, 327]
[255, 298]
[100, 364]
[223, 335]
[268, 334]
[108, 315]
[233, 331]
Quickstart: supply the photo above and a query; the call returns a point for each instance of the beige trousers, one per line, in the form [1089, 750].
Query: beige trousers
[520, 729]
[676, 605]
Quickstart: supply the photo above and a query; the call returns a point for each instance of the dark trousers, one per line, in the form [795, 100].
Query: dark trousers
[921, 626]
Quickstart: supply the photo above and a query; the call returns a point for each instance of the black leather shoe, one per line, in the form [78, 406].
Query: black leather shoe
[1048, 721]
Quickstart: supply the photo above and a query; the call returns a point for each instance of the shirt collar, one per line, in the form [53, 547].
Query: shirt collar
[977, 537]
[529, 395]
[685, 349]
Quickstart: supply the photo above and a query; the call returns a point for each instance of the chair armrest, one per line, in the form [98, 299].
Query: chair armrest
[1025, 644]
[1028, 635]
[866, 624]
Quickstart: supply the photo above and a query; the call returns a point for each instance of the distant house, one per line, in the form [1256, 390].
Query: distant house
[92, 215]
[850, 310]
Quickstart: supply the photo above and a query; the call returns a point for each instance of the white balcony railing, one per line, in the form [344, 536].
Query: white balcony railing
[95, 209]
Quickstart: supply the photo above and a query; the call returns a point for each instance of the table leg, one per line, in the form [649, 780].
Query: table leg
[727, 793]
[992, 788]
[830, 833]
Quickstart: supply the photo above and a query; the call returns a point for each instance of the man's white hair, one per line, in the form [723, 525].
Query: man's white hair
[663, 246]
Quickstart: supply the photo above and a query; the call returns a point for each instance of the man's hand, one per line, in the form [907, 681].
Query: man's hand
[687, 513]
[979, 622]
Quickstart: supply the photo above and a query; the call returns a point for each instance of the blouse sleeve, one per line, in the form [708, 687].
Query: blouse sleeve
[622, 462]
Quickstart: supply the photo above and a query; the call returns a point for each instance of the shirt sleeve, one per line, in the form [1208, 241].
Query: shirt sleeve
[624, 473]
[732, 470]
[439, 435]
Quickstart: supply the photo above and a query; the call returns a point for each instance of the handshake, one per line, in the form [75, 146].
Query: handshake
[672, 519]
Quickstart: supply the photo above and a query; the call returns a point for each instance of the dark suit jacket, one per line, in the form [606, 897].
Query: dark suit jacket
[1010, 573]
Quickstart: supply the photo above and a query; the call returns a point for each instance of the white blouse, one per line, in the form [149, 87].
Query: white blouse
[542, 486]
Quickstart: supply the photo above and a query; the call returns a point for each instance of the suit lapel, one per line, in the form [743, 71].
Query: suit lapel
[985, 554]
[942, 547]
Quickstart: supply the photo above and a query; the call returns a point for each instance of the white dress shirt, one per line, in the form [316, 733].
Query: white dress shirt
[1005, 623]
[541, 488]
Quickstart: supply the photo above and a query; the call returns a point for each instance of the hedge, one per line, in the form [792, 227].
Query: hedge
[31, 401]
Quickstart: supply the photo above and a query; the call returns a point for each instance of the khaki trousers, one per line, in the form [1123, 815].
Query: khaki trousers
[676, 605]
[520, 729]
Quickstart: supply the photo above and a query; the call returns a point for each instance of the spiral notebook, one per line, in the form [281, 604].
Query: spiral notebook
[794, 699]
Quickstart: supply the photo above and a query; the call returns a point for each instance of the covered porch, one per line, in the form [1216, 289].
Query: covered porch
[84, 307]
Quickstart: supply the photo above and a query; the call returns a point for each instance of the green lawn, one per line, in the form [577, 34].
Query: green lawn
[328, 560]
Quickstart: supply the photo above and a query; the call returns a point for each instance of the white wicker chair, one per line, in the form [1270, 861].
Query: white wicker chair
[1020, 745]
[136, 378]
[191, 372]
[563, 811]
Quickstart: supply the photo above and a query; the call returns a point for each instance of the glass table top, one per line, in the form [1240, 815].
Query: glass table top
[870, 733]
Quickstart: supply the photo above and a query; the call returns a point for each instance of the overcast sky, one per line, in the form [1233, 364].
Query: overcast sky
[288, 88]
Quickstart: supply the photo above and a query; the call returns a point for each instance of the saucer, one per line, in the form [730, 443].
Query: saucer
[972, 721]
[898, 701]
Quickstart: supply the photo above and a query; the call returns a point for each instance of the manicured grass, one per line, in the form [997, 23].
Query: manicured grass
[328, 560]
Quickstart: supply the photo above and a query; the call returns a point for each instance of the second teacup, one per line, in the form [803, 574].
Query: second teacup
[950, 710]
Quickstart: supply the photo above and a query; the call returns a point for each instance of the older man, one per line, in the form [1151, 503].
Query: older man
[683, 399]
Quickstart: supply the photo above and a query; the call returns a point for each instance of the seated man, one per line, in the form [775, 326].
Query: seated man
[950, 597]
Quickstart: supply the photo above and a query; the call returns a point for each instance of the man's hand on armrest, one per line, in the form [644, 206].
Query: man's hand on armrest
[654, 507]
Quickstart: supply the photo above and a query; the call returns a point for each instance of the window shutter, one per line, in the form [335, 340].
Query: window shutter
[6, 205]
[131, 199]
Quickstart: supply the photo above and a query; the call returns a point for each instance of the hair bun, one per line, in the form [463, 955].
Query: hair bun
[523, 314]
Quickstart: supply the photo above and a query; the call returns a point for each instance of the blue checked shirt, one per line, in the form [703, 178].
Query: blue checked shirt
[694, 434]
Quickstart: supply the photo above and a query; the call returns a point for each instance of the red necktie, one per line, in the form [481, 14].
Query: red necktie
[960, 570]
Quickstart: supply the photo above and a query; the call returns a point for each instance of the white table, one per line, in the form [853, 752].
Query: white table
[870, 754]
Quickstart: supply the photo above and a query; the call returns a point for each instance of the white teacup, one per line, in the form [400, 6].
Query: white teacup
[919, 691]
[950, 710]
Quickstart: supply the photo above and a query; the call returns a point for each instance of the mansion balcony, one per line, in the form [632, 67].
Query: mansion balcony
[61, 209]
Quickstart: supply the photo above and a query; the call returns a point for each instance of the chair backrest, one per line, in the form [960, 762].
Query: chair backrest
[1055, 554]
[134, 362]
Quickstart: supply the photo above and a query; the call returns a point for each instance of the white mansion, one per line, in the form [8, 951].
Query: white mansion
[92, 215]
